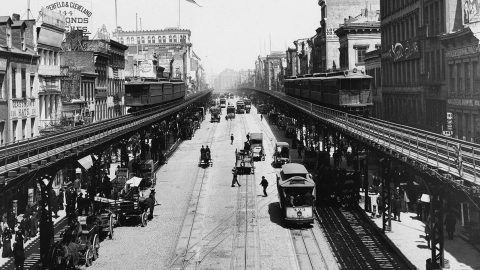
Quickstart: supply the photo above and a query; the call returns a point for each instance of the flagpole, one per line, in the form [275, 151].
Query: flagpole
[178, 13]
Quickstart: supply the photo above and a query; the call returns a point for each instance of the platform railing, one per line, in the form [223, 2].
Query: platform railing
[21, 153]
[447, 155]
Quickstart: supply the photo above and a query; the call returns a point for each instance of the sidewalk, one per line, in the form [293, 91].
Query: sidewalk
[32, 246]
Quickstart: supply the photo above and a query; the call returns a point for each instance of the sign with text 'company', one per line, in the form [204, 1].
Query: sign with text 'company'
[78, 14]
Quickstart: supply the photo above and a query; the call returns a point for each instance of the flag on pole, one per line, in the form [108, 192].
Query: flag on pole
[193, 2]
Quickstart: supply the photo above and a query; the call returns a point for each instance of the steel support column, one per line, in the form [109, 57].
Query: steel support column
[365, 184]
[386, 195]
[46, 224]
[436, 226]
[143, 146]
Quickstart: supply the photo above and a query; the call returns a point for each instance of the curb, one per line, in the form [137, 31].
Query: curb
[387, 240]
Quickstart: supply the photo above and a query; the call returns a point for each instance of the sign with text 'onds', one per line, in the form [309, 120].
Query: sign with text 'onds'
[78, 14]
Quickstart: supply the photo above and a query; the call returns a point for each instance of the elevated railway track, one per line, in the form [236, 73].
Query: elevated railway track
[21, 156]
[451, 160]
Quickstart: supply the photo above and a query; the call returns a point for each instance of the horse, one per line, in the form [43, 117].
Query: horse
[64, 256]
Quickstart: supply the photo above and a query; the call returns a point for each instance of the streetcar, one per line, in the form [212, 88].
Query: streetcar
[223, 102]
[240, 107]
[296, 190]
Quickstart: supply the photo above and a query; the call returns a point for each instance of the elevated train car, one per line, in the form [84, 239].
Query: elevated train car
[143, 93]
[349, 91]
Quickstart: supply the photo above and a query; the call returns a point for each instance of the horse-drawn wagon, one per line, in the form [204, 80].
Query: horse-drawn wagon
[244, 162]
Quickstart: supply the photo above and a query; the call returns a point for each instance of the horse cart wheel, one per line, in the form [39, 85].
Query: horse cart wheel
[110, 226]
[95, 247]
[88, 257]
[144, 217]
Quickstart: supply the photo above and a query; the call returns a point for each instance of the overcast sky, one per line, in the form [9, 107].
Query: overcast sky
[225, 33]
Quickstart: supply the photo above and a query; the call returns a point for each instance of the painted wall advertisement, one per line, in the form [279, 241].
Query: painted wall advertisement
[78, 14]
[405, 50]
[471, 11]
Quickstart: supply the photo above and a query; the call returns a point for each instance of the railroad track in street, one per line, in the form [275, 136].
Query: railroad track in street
[189, 250]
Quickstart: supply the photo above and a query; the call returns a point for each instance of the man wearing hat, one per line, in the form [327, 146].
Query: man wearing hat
[264, 184]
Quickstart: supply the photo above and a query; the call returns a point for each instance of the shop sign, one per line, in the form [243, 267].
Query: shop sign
[331, 31]
[145, 66]
[463, 51]
[463, 102]
[3, 64]
[449, 121]
[78, 14]
[22, 108]
[405, 50]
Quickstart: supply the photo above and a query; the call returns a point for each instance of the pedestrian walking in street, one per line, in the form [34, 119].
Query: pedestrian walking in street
[231, 138]
[450, 222]
[248, 136]
[419, 210]
[11, 220]
[7, 243]
[264, 184]
[61, 199]
[34, 224]
[19, 251]
[299, 150]
[54, 203]
[396, 207]
[80, 204]
[235, 179]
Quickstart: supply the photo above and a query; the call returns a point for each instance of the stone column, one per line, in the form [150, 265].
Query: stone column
[47, 107]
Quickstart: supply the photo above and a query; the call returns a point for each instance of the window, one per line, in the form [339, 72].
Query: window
[14, 82]
[121, 40]
[143, 39]
[164, 39]
[159, 39]
[459, 78]
[149, 39]
[175, 38]
[170, 39]
[153, 39]
[22, 39]
[24, 83]
[32, 127]
[24, 128]
[138, 40]
[467, 78]
[452, 79]
[32, 82]
[2, 132]
[361, 55]
[14, 130]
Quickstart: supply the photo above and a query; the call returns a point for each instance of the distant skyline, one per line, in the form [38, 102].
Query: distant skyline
[225, 33]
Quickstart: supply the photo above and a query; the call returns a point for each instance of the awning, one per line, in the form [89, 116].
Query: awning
[135, 181]
[425, 198]
[86, 162]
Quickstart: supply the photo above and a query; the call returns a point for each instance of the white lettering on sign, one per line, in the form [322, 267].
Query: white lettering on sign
[463, 51]
[23, 108]
[463, 102]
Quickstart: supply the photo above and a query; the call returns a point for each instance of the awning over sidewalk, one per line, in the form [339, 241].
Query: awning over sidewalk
[86, 162]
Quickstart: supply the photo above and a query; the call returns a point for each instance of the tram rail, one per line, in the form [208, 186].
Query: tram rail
[448, 158]
[25, 152]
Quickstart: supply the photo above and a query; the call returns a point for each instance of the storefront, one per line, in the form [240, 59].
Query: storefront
[463, 84]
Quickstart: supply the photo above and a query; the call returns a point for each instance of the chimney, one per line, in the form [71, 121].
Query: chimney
[15, 17]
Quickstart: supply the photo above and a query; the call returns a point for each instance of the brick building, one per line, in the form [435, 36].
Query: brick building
[332, 15]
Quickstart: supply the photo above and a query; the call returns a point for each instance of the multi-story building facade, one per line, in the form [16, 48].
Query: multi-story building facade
[304, 59]
[274, 70]
[19, 97]
[357, 36]
[332, 15]
[291, 55]
[163, 45]
[413, 62]
[260, 72]
[373, 63]
[462, 74]
[50, 31]
[227, 79]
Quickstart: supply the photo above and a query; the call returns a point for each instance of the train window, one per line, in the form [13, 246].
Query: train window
[345, 84]
[366, 84]
[356, 84]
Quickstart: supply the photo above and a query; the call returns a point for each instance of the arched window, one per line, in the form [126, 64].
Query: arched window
[149, 40]
[159, 39]
[170, 39]
[153, 39]
[175, 38]
[164, 39]
[128, 40]
[121, 40]
[143, 39]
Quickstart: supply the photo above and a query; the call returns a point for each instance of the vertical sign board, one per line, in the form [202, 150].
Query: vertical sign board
[78, 14]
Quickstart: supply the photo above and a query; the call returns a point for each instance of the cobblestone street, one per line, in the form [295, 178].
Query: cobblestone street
[202, 220]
